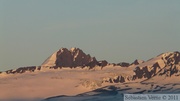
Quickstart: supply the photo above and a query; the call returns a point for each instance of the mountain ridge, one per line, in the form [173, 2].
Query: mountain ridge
[157, 75]
[75, 57]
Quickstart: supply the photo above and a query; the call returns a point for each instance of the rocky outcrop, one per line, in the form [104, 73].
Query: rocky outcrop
[23, 70]
[71, 58]
[171, 67]
[172, 64]
[170, 70]
[115, 79]
[171, 58]
[146, 72]
[123, 64]
[137, 62]
[154, 67]
[102, 63]
[92, 64]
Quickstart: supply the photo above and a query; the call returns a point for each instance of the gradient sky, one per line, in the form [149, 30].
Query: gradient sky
[114, 30]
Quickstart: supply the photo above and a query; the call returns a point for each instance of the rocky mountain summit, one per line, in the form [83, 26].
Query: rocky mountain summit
[72, 58]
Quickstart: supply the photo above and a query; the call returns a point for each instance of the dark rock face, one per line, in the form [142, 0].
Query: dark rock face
[172, 67]
[170, 70]
[91, 64]
[22, 70]
[115, 79]
[123, 64]
[138, 73]
[146, 72]
[119, 79]
[102, 63]
[73, 58]
[137, 62]
[172, 58]
[64, 58]
[172, 64]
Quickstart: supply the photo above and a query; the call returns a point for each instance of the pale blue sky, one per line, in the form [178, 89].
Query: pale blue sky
[114, 30]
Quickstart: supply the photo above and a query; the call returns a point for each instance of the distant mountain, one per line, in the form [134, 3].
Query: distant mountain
[166, 63]
[72, 58]
[69, 58]
[72, 72]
